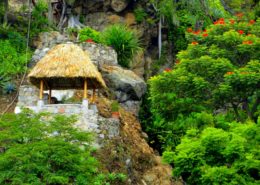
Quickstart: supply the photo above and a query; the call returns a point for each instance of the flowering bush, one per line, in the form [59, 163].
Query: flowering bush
[218, 72]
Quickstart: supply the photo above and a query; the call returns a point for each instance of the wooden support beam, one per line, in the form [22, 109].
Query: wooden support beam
[49, 95]
[41, 89]
[85, 95]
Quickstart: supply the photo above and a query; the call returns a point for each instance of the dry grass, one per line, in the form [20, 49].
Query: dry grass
[66, 66]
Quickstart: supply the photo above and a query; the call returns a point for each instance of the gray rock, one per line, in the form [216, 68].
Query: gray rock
[119, 5]
[125, 83]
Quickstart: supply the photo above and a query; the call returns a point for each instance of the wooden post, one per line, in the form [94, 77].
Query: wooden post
[94, 96]
[41, 89]
[85, 95]
[50, 96]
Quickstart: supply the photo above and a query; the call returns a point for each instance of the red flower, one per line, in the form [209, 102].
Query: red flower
[194, 43]
[205, 35]
[240, 32]
[167, 69]
[248, 42]
[205, 31]
[221, 19]
[189, 30]
[177, 62]
[252, 22]
[229, 73]
[231, 21]
[90, 41]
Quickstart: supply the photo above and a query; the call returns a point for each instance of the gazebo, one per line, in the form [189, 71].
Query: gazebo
[66, 66]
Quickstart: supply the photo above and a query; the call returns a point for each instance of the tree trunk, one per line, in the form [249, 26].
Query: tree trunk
[160, 37]
[6, 11]
[50, 13]
[74, 22]
[226, 7]
[60, 25]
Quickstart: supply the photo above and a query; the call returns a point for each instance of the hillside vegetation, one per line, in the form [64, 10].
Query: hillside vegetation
[201, 111]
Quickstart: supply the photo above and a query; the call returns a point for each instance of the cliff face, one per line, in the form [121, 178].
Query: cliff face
[129, 153]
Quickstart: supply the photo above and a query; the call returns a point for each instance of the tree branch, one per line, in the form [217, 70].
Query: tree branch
[226, 7]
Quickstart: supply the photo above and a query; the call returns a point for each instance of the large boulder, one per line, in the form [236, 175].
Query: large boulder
[119, 5]
[125, 83]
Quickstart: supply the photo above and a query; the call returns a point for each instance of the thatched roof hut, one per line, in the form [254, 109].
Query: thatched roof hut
[66, 66]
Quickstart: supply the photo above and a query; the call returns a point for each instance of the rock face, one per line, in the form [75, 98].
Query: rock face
[126, 84]
[130, 154]
[119, 5]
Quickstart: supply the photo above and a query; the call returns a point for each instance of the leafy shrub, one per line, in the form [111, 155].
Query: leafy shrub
[8, 87]
[42, 149]
[88, 33]
[219, 71]
[124, 41]
[39, 19]
[11, 61]
[140, 14]
[218, 157]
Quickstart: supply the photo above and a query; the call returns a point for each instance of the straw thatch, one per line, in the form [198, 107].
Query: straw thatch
[65, 67]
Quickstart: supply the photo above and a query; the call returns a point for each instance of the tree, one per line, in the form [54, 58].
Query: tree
[218, 72]
[218, 156]
[46, 149]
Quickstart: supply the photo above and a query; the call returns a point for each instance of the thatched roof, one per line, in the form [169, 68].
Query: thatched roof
[66, 66]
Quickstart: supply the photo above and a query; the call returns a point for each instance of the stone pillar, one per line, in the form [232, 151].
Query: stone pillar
[85, 105]
[40, 104]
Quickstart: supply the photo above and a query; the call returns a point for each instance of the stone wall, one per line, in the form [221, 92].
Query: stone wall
[98, 53]
[28, 96]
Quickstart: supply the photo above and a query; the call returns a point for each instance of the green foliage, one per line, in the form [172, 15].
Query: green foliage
[218, 157]
[11, 60]
[140, 14]
[215, 83]
[114, 106]
[88, 33]
[124, 41]
[40, 22]
[45, 149]
[219, 69]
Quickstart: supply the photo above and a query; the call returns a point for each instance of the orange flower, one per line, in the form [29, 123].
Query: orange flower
[189, 30]
[205, 31]
[205, 35]
[252, 22]
[240, 32]
[220, 21]
[231, 21]
[248, 42]
[239, 15]
[177, 62]
[229, 73]
[194, 43]
[196, 32]
[167, 69]
[244, 73]
[249, 34]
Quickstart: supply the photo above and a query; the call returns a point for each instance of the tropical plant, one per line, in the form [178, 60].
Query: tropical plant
[140, 14]
[218, 72]
[124, 40]
[88, 33]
